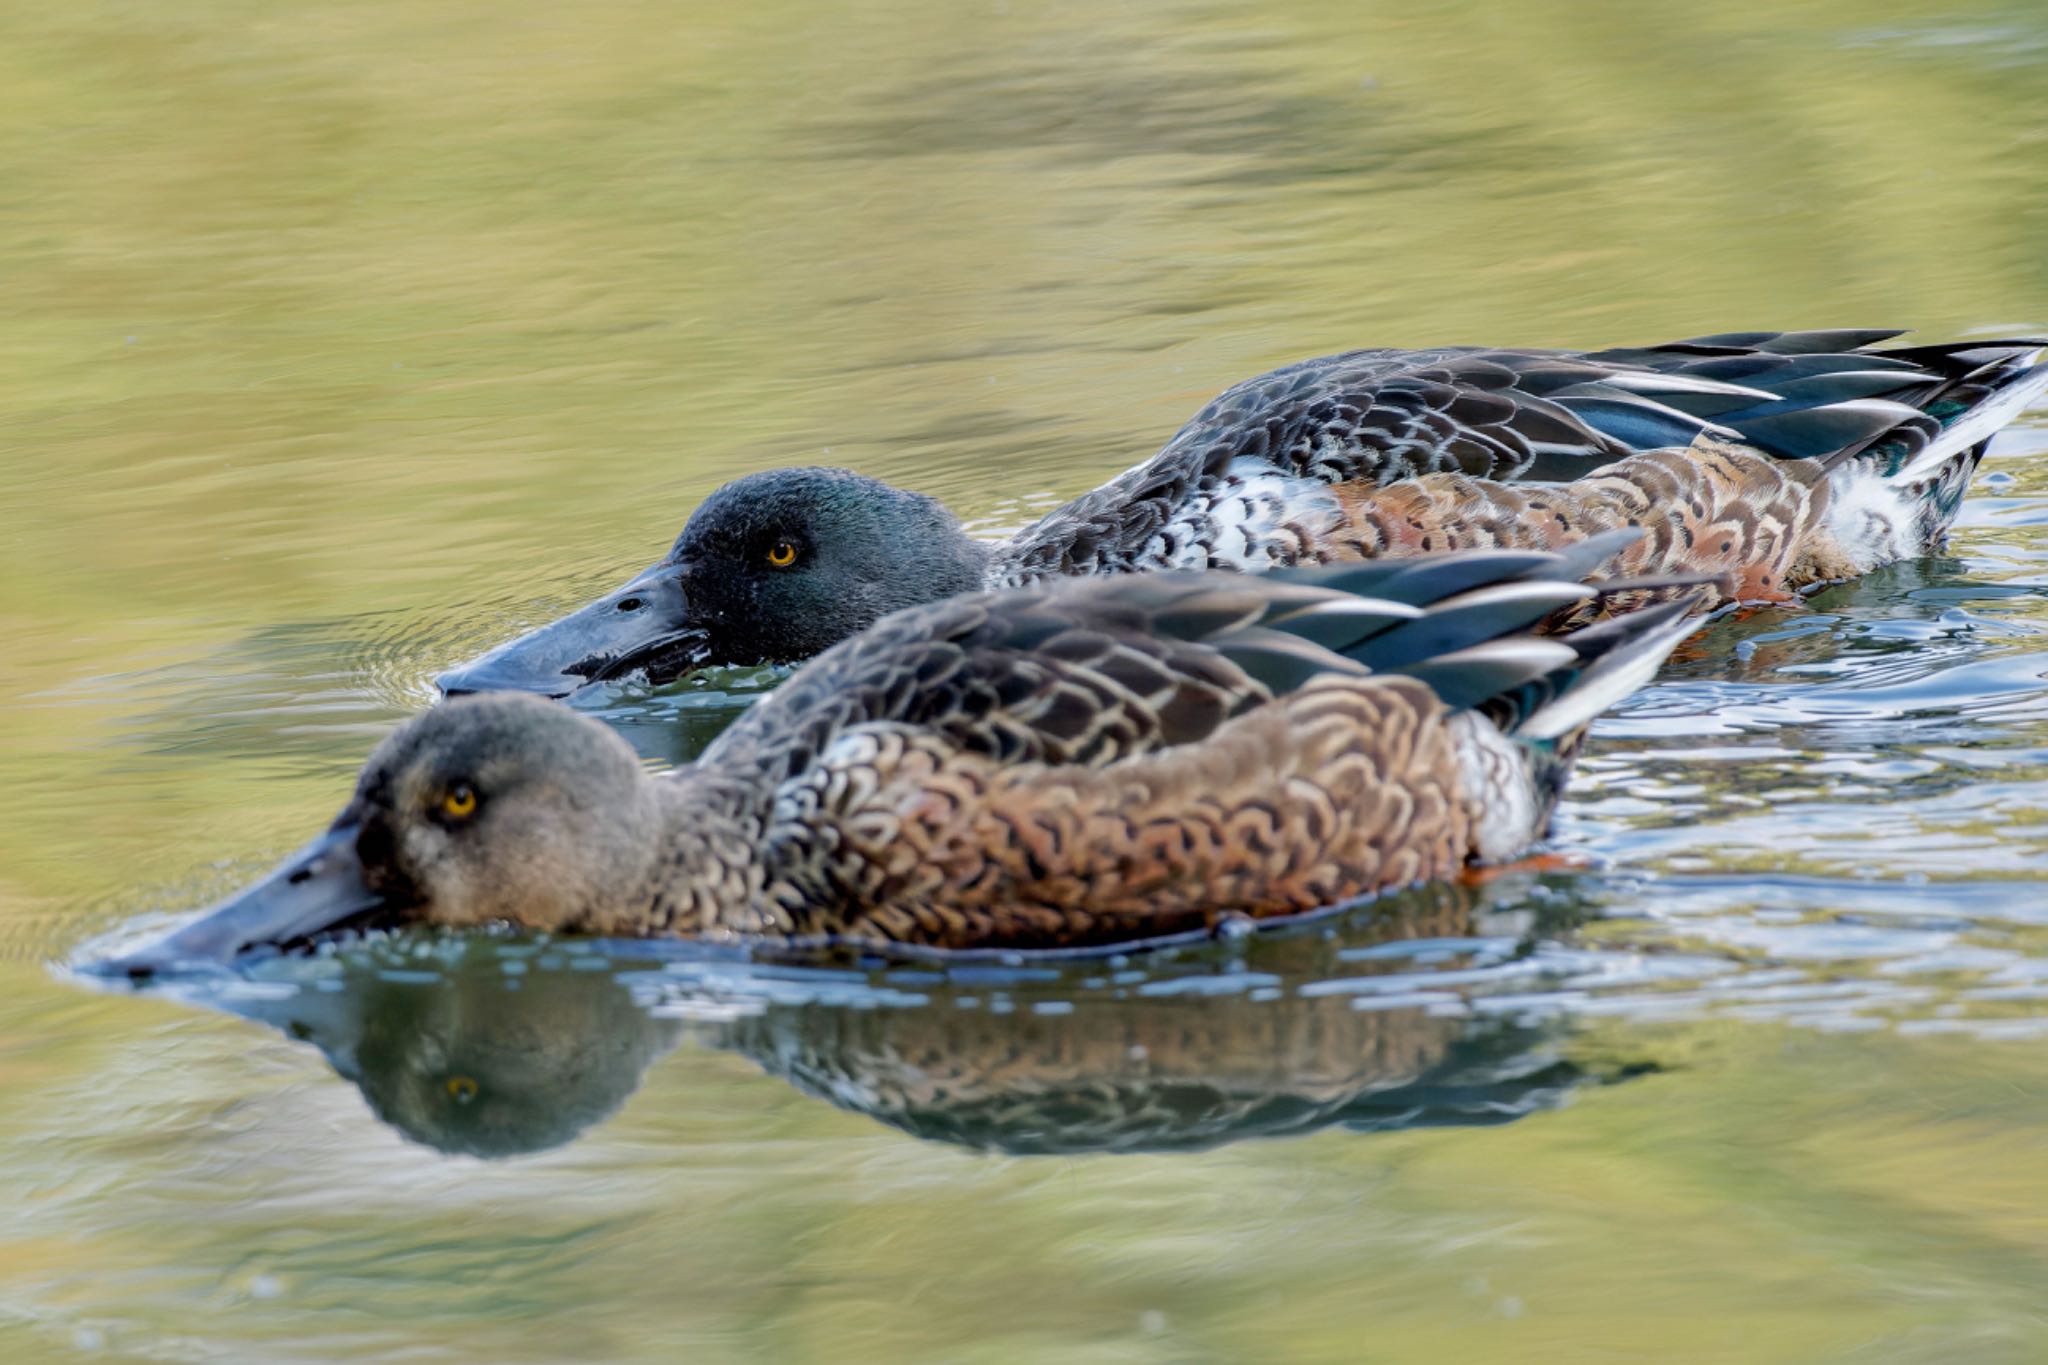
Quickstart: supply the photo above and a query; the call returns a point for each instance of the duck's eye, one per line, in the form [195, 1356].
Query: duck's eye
[461, 1089]
[782, 554]
[459, 802]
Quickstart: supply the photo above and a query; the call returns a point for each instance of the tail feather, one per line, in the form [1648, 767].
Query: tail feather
[1483, 677]
[1818, 395]
[1897, 495]
[1469, 619]
[1617, 656]
[1844, 385]
[1473, 636]
[1803, 343]
[1797, 429]
[2011, 391]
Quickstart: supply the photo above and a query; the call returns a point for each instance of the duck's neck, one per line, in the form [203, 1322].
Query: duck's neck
[959, 565]
[709, 879]
[953, 563]
[1107, 528]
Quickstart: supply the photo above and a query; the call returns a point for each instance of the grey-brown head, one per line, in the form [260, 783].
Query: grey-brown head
[772, 568]
[484, 809]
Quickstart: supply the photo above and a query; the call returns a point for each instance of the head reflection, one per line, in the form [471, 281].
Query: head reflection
[469, 1051]
[495, 1048]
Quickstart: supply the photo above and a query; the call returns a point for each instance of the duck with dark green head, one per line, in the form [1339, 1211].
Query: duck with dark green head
[1773, 460]
[1090, 762]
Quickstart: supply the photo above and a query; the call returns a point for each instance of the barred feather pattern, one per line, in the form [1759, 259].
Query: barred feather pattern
[1173, 1072]
[1759, 525]
[1763, 528]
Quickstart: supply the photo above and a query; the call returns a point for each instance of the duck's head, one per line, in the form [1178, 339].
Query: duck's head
[484, 809]
[772, 568]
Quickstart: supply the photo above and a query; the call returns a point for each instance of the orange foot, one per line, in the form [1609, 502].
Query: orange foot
[1752, 606]
[1535, 862]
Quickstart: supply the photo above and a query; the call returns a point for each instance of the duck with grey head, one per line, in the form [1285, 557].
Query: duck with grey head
[1088, 762]
[1779, 460]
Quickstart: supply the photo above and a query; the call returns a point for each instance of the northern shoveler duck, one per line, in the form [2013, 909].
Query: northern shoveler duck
[1779, 459]
[1085, 762]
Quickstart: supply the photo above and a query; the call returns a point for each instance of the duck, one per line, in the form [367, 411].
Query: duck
[1778, 461]
[1085, 762]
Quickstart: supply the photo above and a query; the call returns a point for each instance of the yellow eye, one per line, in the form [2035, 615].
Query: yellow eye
[461, 1089]
[782, 554]
[460, 802]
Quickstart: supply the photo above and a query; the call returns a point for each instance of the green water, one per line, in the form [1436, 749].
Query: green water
[343, 341]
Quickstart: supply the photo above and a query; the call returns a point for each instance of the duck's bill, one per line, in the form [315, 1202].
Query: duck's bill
[316, 893]
[643, 628]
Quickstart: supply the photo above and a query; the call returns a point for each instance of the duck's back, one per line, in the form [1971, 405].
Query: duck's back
[1110, 759]
[1285, 468]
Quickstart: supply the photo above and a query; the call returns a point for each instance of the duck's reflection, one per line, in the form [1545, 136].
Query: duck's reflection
[494, 1047]
[1158, 1075]
[460, 1055]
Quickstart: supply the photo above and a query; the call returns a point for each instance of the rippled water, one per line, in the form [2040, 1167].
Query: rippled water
[343, 341]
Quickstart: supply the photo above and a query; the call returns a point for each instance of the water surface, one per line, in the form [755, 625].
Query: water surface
[344, 341]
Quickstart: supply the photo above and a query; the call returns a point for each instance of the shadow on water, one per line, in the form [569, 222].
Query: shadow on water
[496, 1047]
[671, 725]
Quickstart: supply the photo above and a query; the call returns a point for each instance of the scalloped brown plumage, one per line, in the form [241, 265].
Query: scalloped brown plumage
[1092, 761]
